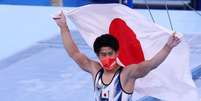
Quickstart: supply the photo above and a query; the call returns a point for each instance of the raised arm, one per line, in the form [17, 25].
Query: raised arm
[143, 68]
[84, 62]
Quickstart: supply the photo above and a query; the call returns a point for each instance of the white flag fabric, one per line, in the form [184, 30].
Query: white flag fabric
[172, 80]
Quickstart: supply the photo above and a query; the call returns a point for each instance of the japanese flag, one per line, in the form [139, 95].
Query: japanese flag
[139, 40]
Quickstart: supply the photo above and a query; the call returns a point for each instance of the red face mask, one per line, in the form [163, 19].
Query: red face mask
[108, 62]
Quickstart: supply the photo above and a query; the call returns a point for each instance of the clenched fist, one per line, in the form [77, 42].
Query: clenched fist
[173, 41]
[60, 19]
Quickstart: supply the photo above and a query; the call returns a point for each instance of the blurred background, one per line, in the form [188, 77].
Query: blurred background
[156, 4]
[34, 65]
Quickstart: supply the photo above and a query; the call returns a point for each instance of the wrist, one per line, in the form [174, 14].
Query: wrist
[167, 47]
[64, 28]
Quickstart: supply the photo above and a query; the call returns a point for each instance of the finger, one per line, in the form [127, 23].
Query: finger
[177, 39]
[174, 33]
[171, 37]
[62, 13]
[56, 18]
[177, 42]
[174, 40]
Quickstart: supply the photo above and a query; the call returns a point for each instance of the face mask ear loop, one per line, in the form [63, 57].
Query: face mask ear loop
[100, 62]
[119, 62]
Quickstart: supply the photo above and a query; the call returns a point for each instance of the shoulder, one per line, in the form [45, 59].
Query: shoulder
[96, 68]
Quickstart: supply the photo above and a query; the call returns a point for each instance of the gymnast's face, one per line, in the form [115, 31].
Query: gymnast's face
[106, 52]
[107, 57]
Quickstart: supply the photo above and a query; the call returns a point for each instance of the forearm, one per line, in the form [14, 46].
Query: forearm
[83, 61]
[159, 57]
[74, 52]
[68, 42]
[146, 66]
[164, 52]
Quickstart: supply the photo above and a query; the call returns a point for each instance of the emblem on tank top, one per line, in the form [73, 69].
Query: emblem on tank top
[104, 96]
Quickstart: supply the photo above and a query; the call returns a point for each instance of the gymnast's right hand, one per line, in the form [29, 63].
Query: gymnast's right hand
[60, 19]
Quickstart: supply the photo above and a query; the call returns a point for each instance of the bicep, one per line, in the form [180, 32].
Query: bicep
[139, 70]
[146, 66]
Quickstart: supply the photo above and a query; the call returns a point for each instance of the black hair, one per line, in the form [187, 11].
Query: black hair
[105, 40]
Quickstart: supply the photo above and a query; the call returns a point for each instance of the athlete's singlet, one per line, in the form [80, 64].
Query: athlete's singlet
[112, 91]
